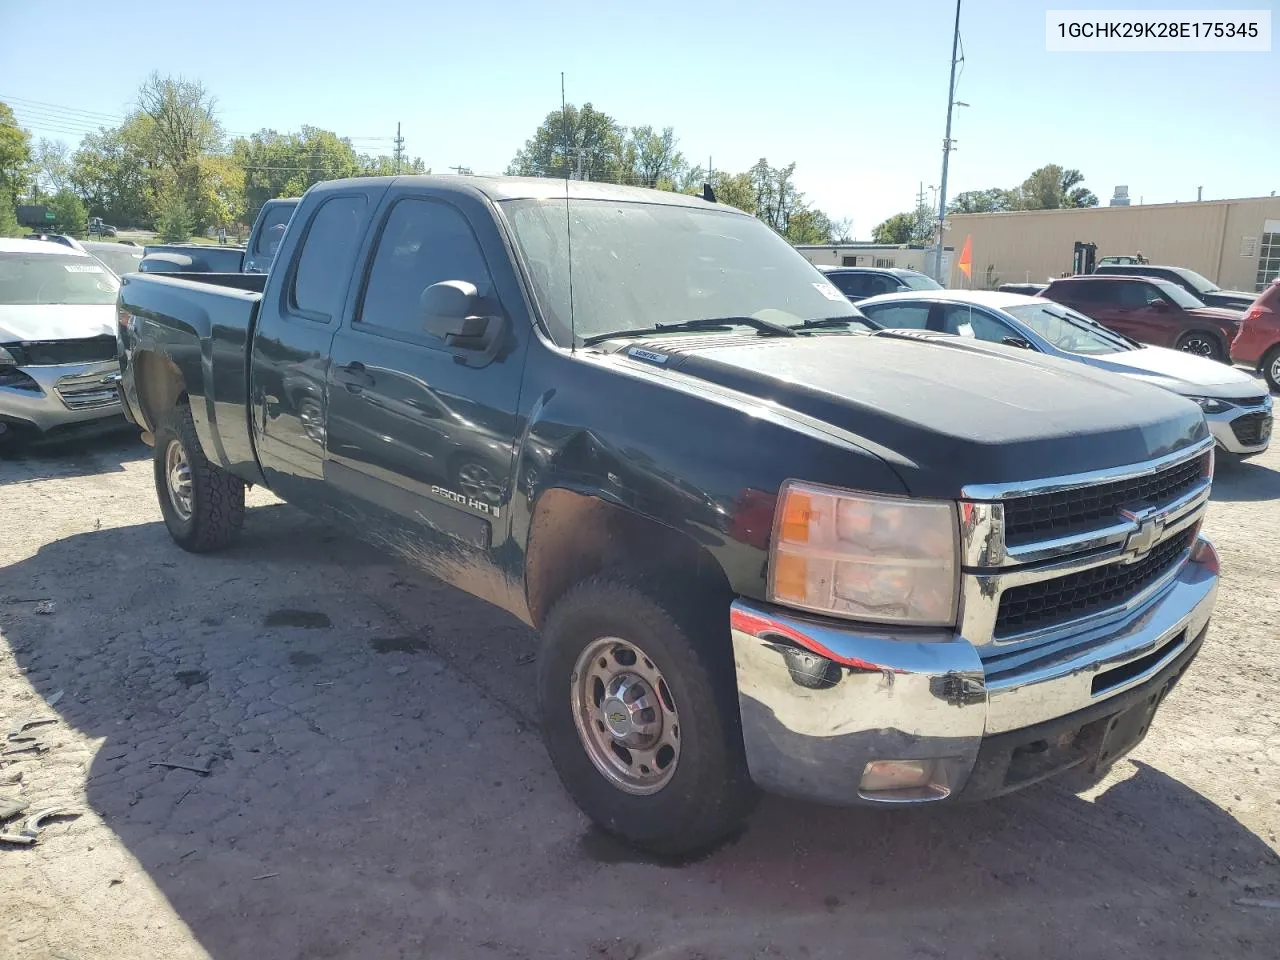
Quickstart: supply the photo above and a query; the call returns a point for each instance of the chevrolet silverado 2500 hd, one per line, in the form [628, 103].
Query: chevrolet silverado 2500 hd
[764, 542]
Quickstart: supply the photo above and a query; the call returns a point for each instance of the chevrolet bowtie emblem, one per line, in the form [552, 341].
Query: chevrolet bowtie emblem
[1150, 526]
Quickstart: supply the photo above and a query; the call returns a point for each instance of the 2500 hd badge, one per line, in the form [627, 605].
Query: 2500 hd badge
[463, 500]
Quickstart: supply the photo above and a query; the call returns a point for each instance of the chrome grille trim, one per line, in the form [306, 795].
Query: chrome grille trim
[85, 391]
[990, 566]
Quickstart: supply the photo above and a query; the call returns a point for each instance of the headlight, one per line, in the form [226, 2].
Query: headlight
[1211, 405]
[865, 557]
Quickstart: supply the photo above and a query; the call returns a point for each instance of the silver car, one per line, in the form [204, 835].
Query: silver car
[1236, 406]
[58, 367]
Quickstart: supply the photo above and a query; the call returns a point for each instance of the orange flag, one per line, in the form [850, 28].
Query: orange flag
[966, 259]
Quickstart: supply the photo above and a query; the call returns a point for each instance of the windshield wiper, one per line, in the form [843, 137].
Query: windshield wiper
[822, 322]
[706, 323]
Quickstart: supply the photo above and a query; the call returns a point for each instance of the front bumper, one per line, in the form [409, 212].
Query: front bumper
[1244, 431]
[821, 700]
[67, 396]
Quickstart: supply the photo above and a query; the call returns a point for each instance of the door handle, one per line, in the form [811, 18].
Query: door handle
[355, 376]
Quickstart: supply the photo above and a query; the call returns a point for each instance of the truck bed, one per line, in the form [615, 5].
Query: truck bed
[203, 324]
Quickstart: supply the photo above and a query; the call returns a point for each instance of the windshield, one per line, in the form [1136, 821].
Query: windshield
[1068, 330]
[31, 278]
[120, 259]
[918, 281]
[636, 265]
[1199, 283]
[1179, 296]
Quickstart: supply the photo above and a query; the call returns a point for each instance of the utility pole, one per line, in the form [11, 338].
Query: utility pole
[946, 151]
[399, 142]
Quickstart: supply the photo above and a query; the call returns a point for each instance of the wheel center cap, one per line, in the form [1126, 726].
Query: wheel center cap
[617, 717]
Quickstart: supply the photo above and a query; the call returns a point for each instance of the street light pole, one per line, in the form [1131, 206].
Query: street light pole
[946, 151]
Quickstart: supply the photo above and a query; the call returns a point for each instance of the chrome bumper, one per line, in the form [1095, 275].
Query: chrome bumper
[1224, 435]
[822, 700]
[68, 394]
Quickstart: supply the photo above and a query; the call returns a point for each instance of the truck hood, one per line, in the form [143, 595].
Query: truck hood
[943, 411]
[1180, 372]
[1228, 297]
[56, 321]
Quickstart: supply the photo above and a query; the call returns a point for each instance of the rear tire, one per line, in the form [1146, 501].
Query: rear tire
[684, 667]
[1271, 369]
[202, 504]
[1201, 343]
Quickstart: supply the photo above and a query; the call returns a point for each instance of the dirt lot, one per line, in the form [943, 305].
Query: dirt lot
[376, 787]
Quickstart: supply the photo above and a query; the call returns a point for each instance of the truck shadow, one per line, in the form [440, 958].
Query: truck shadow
[106, 453]
[1245, 481]
[375, 786]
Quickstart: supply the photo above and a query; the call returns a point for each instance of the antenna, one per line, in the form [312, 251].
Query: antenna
[568, 221]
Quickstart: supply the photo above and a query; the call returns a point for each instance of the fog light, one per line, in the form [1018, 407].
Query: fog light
[905, 780]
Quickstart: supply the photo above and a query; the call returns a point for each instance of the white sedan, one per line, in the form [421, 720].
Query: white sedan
[1236, 406]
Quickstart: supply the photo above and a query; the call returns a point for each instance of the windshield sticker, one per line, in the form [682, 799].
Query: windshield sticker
[828, 291]
[649, 355]
[81, 268]
[965, 330]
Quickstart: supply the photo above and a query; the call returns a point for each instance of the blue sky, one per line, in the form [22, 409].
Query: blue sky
[854, 92]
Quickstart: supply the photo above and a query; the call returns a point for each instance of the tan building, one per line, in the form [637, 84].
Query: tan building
[1235, 243]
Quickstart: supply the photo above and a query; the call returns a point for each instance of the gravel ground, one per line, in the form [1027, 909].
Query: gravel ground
[376, 787]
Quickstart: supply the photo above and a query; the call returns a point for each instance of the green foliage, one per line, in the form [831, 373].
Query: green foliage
[112, 170]
[72, 217]
[581, 143]
[15, 154]
[1048, 188]
[9, 226]
[174, 223]
[897, 229]
[993, 200]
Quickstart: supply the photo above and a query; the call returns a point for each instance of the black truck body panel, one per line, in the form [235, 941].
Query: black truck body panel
[417, 446]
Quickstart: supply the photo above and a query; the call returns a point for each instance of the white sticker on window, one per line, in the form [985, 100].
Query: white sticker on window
[828, 291]
[81, 268]
[966, 330]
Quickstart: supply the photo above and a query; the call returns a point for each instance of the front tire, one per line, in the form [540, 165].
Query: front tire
[1202, 344]
[202, 504]
[1271, 369]
[640, 715]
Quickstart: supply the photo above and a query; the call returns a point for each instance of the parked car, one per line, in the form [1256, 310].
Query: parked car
[959, 568]
[58, 238]
[191, 258]
[1123, 258]
[858, 282]
[268, 231]
[58, 368]
[1203, 289]
[117, 257]
[1257, 344]
[1238, 412]
[1150, 311]
[1030, 289]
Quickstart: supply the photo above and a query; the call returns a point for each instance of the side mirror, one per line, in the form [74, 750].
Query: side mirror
[1017, 342]
[451, 312]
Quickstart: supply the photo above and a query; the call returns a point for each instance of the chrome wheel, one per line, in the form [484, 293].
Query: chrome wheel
[478, 482]
[177, 473]
[1274, 373]
[626, 716]
[312, 418]
[1200, 347]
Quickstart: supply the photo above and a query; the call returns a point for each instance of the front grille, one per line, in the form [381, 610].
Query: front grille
[45, 353]
[1043, 515]
[1036, 606]
[1252, 429]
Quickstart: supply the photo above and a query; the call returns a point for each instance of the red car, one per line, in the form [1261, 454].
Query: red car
[1258, 343]
[1150, 311]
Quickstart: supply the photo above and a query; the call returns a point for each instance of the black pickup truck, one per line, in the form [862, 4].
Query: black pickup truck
[764, 542]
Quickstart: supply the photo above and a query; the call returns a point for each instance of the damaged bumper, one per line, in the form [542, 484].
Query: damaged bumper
[849, 714]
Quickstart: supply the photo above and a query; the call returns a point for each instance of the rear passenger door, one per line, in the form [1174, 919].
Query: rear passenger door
[296, 323]
[420, 433]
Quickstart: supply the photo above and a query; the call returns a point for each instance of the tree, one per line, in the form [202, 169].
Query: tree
[1074, 195]
[183, 129]
[9, 226]
[1051, 188]
[286, 164]
[53, 166]
[15, 155]
[992, 200]
[582, 143]
[174, 222]
[72, 218]
[651, 157]
[112, 172]
[897, 229]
